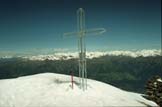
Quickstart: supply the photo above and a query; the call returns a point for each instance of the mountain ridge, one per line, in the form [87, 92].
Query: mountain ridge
[89, 55]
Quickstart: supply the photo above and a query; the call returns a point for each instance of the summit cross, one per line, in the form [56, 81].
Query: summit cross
[81, 45]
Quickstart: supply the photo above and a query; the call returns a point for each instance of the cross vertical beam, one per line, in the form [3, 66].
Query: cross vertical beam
[81, 48]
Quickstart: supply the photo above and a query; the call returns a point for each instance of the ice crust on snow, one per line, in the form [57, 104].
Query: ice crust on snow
[159, 80]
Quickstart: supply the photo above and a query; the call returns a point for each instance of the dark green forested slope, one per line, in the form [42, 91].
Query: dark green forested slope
[121, 71]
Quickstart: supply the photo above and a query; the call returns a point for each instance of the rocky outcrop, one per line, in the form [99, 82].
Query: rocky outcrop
[154, 90]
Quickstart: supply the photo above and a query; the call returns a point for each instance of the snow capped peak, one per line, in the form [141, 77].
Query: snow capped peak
[52, 90]
[143, 53]
[90, 55]
[56, 56]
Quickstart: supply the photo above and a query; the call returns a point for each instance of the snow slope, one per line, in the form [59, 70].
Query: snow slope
[50, 90]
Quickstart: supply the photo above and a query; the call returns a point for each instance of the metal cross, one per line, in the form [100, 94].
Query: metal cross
[81, 45]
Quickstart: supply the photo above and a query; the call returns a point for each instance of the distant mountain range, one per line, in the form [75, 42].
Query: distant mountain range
[89, 55]
[128, 70]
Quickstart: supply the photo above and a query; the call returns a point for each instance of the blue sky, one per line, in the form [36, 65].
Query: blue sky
[27, 25]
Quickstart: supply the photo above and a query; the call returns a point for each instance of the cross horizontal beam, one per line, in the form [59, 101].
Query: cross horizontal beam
[95, 31]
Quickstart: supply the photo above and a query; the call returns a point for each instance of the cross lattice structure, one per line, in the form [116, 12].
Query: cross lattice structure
[81, 45]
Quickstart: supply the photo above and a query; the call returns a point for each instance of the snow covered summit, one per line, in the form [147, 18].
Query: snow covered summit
[51, 90]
